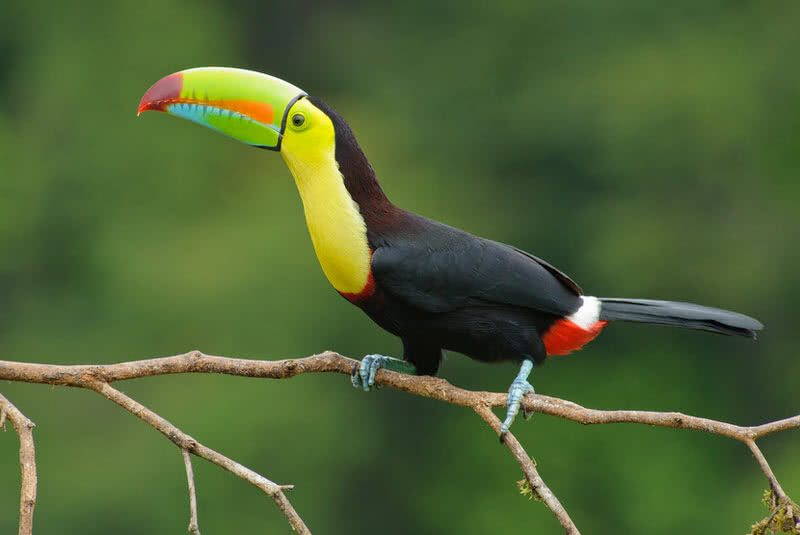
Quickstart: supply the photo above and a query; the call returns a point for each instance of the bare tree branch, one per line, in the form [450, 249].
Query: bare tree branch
[432, 387]
[194, 526]
[27, 460]
[532, 476]
[781, 499]
[329, 361]
[99, 377]
[186, 442]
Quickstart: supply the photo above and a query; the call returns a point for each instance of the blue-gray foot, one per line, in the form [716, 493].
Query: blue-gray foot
[519, 387]
[364, 375]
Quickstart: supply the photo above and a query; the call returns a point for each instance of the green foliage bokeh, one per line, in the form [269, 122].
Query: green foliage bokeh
[649, 150]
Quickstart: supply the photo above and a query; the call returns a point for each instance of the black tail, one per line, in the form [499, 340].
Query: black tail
[679, 315]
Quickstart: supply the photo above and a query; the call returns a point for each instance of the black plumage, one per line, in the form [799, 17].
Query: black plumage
[438, 287]
[676, 314]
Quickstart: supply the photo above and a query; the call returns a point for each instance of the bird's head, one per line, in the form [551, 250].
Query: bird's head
[254, 108]
[333, 177]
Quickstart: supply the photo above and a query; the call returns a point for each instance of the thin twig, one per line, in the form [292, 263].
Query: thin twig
[762, 462]
[186, 442]
[535, 481]
[780, 496]
[27, 460]
[194, 527]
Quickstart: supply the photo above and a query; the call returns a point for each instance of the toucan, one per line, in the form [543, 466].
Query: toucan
[436, 287]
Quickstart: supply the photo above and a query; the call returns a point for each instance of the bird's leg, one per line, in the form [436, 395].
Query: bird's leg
[519, 387]
[364, 375]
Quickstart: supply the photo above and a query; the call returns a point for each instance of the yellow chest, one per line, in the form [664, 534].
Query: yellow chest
[337, 229]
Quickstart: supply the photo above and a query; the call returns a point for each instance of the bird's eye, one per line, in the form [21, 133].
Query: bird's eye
[298, 119]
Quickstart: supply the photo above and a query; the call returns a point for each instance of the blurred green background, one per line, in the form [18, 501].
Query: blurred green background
[648, 149]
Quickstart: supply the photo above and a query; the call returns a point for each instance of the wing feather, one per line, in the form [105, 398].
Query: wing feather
[441, 268]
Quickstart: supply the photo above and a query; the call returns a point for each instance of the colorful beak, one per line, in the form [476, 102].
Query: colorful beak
[245, 105]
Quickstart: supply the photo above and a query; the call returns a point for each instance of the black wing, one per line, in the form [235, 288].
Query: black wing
[438, 268]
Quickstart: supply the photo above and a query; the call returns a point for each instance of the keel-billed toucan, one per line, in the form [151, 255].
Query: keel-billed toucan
[436, 287]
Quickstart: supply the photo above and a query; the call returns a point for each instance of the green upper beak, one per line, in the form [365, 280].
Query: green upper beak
[245, 105]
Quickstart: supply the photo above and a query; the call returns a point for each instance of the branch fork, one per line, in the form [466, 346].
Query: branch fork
[100, 377]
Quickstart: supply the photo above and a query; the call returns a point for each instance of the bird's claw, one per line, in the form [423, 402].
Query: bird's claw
[516, 392]
[364, 375]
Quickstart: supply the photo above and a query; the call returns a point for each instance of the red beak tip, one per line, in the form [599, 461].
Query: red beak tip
[168, 88]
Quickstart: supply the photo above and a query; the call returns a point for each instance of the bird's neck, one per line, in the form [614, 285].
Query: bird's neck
[337, 227]
[360, 180]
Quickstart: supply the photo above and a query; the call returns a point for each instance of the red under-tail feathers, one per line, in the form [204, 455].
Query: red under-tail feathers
[564, 336]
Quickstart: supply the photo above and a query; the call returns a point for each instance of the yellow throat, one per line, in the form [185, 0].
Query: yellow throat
[334, 221]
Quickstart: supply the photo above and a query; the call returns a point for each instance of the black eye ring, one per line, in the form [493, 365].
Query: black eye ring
[298, 119]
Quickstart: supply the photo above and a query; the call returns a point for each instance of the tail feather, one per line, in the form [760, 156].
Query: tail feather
[676, 314]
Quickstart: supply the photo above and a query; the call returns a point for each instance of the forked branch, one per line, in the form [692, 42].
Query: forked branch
[100, 377]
